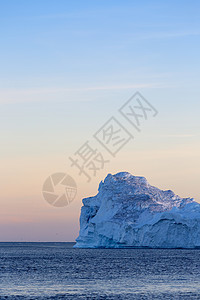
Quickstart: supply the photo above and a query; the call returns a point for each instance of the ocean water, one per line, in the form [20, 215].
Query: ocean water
[57, 271]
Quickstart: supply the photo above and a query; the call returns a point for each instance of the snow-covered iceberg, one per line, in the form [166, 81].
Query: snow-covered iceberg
[129, 212]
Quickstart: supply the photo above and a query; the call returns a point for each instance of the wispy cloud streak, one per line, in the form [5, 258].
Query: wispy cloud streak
[24, 95]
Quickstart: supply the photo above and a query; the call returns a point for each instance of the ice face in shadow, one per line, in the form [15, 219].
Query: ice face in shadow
[129, 212]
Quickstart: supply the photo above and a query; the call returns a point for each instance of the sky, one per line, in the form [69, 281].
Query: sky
[66, 67]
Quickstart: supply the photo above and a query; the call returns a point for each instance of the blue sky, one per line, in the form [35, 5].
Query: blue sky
[65, 68]
[87, 44]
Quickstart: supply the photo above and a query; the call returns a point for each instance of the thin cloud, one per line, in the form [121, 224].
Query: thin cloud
[178, 135]
[165, 35]
[24, 95]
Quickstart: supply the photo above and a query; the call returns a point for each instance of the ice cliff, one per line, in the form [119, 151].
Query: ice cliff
[129, 212]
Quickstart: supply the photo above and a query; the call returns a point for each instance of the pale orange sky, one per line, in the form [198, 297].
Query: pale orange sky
[168, 162]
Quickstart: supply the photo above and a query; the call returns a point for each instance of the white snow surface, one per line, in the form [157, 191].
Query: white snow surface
[129, 212]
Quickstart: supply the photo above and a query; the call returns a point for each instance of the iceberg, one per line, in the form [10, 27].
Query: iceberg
[129, 212]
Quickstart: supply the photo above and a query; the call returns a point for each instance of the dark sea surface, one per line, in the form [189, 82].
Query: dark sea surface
[57, 271]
